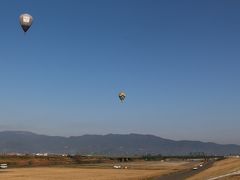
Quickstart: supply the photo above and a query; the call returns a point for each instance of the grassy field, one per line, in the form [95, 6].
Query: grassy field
[220, 168]
[35, 161]
[136, 170]
[232, 178]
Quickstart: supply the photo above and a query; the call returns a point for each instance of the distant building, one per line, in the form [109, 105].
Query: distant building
[42, 154]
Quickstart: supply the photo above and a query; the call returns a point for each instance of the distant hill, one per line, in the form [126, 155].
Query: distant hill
[111, 144]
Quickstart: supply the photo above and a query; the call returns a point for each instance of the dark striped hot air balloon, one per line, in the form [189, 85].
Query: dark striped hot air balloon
[122, 96]
[26, 21]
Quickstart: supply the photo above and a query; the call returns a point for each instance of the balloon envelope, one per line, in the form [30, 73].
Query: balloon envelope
[25, 21]
[122, 96]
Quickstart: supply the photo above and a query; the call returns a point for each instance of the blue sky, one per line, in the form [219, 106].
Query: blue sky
[178, 62]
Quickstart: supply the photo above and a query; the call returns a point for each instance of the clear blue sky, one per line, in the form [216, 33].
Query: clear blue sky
[178, 62]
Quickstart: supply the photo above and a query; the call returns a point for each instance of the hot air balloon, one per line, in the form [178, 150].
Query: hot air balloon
[25, 21]
[122, 96]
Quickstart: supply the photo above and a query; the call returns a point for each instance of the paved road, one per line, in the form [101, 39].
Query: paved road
[182, 175]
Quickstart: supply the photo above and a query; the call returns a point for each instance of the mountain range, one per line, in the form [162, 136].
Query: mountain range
[109, 145]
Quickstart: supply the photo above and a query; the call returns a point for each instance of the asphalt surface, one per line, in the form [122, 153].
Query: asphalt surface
[182, 175]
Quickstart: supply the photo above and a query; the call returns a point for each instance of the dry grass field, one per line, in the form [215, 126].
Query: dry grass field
[220, 168]
[232, 178]
[136, 170]
[35, 161]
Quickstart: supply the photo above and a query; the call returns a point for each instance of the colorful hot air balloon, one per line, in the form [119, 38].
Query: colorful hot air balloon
[122, 96]
[25, 21]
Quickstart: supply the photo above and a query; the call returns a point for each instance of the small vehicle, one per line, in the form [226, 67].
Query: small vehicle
[201, 165]
[117, 167]
[3, 166]
[195, 168]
